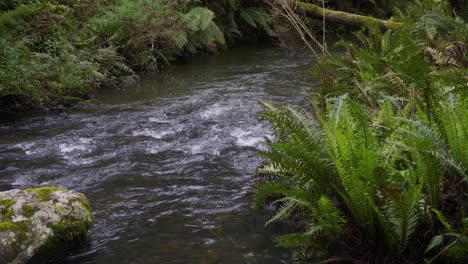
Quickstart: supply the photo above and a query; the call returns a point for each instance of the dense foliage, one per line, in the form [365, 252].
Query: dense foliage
[378, 173]
[57, 50]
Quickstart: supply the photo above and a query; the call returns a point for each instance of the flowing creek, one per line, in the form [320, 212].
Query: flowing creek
[166, 163]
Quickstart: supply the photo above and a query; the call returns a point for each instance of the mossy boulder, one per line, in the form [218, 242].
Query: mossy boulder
[35, 221]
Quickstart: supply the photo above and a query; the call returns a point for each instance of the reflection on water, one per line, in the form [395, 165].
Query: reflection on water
[166, 163]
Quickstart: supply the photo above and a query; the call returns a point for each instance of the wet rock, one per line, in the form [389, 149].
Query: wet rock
[38, 220]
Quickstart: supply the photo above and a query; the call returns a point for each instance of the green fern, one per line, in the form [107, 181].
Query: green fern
[268, 190]
[203, 30]
[453, 114]
[382, 64]
[452, 242]
[257, 17]
[329, 219]
[387, 137]
[198, 19]
[402, 213]
[384, 167]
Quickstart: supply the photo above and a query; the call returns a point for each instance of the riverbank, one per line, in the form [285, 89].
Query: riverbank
[377, 172]
[58, 52]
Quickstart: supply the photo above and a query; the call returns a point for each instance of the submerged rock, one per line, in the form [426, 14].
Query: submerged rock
[36, 221]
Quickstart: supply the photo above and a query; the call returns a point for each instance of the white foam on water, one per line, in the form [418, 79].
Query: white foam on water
[23, 179]
[67, 148]
[247, 139]
[25, 146]
[72, 152]
[250, 141]
[196, 149]
[214, 111]
[86, 140]
[151, 133]
[79, 161]
[30, 152]
[28, 148]
[208, 241]
[159, 119]
[157, 148]
[210, 146]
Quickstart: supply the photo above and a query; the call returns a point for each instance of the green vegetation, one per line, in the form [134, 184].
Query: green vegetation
[6, 209]
[29, 210]
[378, 173]
[84, 202]
[58, 208]
[6, 224]
[5, 204]
[55, 51]
[20, 229]
[42, 60]
[69, 230]
[43, 234]
[43, 193]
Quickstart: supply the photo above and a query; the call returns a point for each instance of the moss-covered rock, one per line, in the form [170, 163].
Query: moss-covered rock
[44, 193]
[40, 219]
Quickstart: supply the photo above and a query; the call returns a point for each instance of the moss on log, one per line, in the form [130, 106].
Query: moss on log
[315, 11]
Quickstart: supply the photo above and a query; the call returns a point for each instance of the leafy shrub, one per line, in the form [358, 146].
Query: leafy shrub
[149, 33]
[378, 64]
[61, 48]
[381, 172]
[238, 17]
[39, 61]
[372, 173]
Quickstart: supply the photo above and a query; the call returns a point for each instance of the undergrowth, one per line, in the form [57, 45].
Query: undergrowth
[56, 50]
[378, 172]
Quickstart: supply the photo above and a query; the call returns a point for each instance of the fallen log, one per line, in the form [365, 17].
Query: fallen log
[333, 16]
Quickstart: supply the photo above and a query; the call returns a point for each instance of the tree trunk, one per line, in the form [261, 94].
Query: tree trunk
[315, 11]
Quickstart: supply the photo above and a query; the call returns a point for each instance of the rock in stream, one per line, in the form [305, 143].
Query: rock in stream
[40, 221]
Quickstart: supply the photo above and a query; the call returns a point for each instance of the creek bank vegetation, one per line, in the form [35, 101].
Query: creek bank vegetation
[37, 223]
[378, 172]
[59, 51]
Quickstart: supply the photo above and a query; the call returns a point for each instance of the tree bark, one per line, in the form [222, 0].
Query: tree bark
[315, 11]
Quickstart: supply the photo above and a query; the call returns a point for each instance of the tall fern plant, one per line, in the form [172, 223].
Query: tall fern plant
[149, 33]
[376, 65]
[385, 150]
[380, 171]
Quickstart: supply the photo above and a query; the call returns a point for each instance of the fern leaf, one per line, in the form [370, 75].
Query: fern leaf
[436, 241]
[198, 18]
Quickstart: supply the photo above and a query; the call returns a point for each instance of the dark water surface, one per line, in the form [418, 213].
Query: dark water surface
[166, 163]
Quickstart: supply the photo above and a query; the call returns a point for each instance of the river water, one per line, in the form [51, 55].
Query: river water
[166, 163]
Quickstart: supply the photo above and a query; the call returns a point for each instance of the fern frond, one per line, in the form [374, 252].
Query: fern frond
[435, 242]
[440, 216]
[285, 211]
[402, 213]
[198, 18]
[267, 190]
[257, 17]
[330, 219]
[292, 240]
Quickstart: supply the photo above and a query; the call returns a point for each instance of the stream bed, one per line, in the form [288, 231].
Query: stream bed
[166, 163]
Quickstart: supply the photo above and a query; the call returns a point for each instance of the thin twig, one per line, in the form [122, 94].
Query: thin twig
[445, 249]
[337, 259]
[286, 9]
[324, 44]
